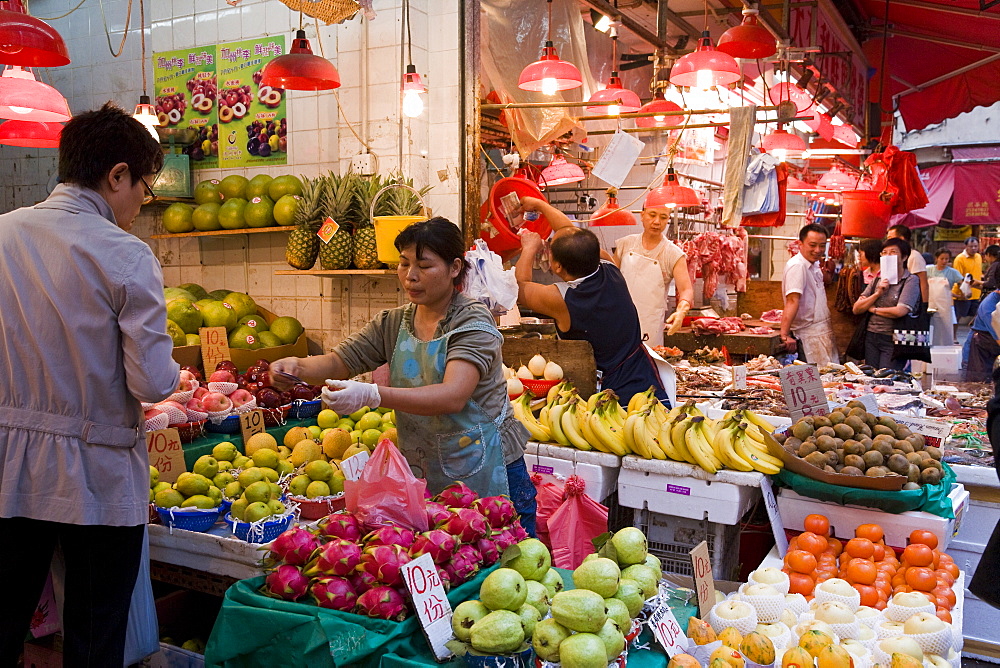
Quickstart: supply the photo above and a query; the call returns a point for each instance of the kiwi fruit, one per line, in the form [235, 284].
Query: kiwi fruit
[793, 442]
[866, 442]
[898, 464]
[817, 459]
[843, 431]
[853, 447]
[833, 458]
[905, 446]
[789, 449]
[826, 443]
[829, 469]
[851, 470]
[873, 458]
[887, 421]
[820, 421]
[854, 403]
[930, 476]
[855, 423]
[859, 413]
[806, 449]
[917, 441]
[835, 418]
[840, 454]
[935, 453]
[902, 432]
[825, 431]
[838, 468]
[780, 437]
[802, 429]
[856, 461]
[884, 437]
[884, 448]
[913, 475]
[933, 464]
[877, 472]
[911, 485]
[914, 458]
[866, 431]
[882, 429]
[871, 420]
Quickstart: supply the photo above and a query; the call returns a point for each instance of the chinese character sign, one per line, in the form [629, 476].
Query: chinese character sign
[186, 97]
[803, 391]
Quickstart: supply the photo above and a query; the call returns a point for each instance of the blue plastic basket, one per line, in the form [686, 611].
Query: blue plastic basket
[225, 505]
[520, 660]
[272, 528]
[229, 425]
[189, 519]
[302, 409]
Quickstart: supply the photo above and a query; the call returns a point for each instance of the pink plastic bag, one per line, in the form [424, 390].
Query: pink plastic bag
[548, 496]
[575, 524]
[387, 491]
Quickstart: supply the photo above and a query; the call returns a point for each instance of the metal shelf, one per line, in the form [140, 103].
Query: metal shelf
[335, 272]
[217, 233]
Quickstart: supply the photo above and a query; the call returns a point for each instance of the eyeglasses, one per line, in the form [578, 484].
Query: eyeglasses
[151, 196]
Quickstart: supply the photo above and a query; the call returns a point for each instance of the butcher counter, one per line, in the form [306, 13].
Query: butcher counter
[740, 345]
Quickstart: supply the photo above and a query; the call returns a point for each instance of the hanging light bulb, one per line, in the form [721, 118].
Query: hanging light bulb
[705, 67]
[413, 104]
[627, 101]
[782, 144]
[549, 74]
[659, 103]
[24, 98]
[144, 114]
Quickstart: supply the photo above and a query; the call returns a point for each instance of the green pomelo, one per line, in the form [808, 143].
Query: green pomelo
[205, 217]
[286, 328]
[177, 218]
[499, 632]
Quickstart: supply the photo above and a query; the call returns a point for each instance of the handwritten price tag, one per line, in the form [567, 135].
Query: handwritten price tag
[166, 453]
[935, 432]
[803, 391]
[771, 504]
[667, 631]
[354, 465]
[251, 422]
[740, 377]
[704, 581]
[429, 600]
[214, 347]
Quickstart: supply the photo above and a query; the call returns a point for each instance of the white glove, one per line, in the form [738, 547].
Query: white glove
[348, 396]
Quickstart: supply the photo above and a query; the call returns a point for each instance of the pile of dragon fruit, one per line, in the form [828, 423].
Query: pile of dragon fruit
[343, 566]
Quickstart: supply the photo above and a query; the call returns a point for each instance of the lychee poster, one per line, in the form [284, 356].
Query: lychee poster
[218, 89]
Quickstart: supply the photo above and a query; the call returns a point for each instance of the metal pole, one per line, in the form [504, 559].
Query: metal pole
[469, 11]
[684, 127]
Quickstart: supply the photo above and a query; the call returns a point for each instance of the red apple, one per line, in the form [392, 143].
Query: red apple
[152, 413]
[228, 365]
[187, 381]
[303, 392]
[268, 398]
[200, 392]
[216, 401]
[193, 370]
[195, 405]
[240, 397]
[262, 364]
[222, 376]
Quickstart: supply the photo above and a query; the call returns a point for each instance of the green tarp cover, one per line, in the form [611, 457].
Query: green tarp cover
[929, 498]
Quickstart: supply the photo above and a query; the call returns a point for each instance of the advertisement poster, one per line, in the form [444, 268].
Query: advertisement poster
[252, 124]
[185, 97]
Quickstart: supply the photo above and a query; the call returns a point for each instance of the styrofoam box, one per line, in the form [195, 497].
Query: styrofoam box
[682, 490]
[171, 656]
[597, 469]
[946, 362]
[977, 526]
[793, 509]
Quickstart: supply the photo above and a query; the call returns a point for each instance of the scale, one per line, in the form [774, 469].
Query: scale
[174, 180]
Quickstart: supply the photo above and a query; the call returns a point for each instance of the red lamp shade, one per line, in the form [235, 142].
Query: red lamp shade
[821, 125]
[705, 67]
[412, 81]
[659, 104]
[560, 172]
[837, 180]
[549, 75]
[22, 98]
[782, 144]
[789, 91]
[749, 39]
[30, 133]
[845, 135]
[671, 194]
[299, 69]
[30, 42]
[628, 101]
[610, 213]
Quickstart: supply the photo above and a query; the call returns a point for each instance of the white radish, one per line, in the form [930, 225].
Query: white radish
[514, 386]
[552, 371]
[523, 372]
[507, 372]
[536, 365]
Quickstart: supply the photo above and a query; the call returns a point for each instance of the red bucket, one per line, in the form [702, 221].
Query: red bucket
[865, 214]
[505, 242]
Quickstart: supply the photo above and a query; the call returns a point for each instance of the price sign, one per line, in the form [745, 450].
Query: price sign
[935, 432]
[618, 159]
[803, 391]
[870, 404]
[354, 465]
[667, 631]
[771, 504]
[704, 582]
[251, 422]
[166, 453]
[740, 377]
[429, 600]
[214, 347]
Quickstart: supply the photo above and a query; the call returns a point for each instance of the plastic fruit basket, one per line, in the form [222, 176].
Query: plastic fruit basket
[313, 509]
[228, 425]
[189, 519]
[301, 409]
[274, 417]
[271, 528]
[539, 388]
[191, 430]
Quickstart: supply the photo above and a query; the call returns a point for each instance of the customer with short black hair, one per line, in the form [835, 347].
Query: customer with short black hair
[887, 304]
[991, 278]
[84, 343]
[915, 263]
[806, 313]
[968, 263]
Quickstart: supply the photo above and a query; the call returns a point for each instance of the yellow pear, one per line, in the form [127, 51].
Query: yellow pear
[305, 451]
[336, 442]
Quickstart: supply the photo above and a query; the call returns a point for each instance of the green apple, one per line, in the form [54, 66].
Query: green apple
[327, 418]
[315, 431]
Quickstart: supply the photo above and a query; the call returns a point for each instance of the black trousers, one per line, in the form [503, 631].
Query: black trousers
[102, 563]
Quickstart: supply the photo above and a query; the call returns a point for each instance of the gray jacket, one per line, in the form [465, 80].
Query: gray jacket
[82, 342]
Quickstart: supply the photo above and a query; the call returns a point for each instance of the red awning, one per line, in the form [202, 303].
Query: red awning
[939, 182]
[943, 56]
[977, 193]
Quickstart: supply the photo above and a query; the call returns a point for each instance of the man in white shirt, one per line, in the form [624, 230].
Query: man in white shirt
[916, 264]
[806, 314]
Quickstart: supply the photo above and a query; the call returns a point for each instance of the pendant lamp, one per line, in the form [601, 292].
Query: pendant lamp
[610, 212]
[560, 172]
[835, 179]
[413, 104]
[29, 42]
[821, 125]
[749, 39]
[705, 67]
[299, 69]
[23, 98]
[783, 144]
[628, 101]
[659, 104]
[144, 112]
[786, 90]
[30, 133]
[671, 194]
[549, 74]
[845, 135]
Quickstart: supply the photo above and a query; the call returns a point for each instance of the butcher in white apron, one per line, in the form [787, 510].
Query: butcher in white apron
[649, 262]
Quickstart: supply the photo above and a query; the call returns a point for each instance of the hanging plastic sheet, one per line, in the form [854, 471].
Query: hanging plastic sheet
[760, 185]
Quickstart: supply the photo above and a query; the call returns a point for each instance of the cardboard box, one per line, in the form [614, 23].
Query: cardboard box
[890, 483]
[191, 355]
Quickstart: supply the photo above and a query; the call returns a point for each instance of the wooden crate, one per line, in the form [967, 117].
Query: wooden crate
[575, 357]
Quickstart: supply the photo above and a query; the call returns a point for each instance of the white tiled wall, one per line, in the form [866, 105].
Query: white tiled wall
[368, 57]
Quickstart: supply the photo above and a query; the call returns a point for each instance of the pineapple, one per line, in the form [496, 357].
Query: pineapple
[303, 244]
[400, 201]
[338, 253]
[365, 251]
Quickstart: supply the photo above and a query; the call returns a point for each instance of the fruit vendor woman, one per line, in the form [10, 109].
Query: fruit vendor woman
[591, 303]
[447, 385]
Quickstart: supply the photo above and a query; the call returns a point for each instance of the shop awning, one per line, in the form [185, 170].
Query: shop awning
[943, 56]
[939, 182]
[977, 193]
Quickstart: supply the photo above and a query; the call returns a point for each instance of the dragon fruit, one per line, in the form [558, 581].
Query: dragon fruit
[456, 495]
[287, 582]
[340, 524]
[294, 546]
[362, 581]
[385, 562]
[445, 578]
[503, 539]
[438, 543]
[488, 551]
[338, 557]
[383, 603]
[436, 513]
[460, 569]
[334, 593]
[518, 532]
[471, 553]
[390, 535]
[498, 510]
[466, 524]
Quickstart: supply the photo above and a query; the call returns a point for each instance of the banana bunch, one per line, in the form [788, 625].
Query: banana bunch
[522, 411]
[739, 443]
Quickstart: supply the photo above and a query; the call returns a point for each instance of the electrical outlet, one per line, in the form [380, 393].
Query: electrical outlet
[363, 164]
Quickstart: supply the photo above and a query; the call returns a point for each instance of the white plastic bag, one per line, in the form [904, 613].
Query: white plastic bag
[487, 280]
[966, 287]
